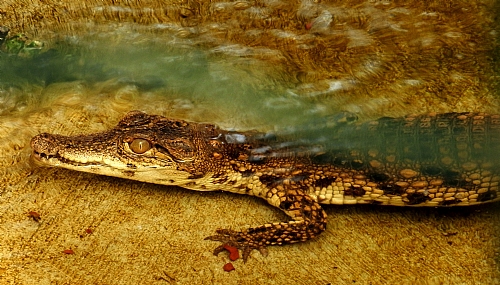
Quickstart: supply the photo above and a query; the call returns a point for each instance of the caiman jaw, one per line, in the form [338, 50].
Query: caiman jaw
[46, 151]
[131, 150]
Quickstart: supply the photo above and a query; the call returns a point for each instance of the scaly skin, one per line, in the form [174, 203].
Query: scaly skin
[431, 160]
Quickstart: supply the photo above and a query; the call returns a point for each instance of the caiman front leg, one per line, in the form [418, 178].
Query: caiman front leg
[309, 220]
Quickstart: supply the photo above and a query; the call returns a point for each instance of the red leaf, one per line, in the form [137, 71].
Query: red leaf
[68, 251]
[233, 252]
[228, 267]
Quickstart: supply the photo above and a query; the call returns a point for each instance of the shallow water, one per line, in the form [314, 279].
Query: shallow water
[108, 69]
[159, 74]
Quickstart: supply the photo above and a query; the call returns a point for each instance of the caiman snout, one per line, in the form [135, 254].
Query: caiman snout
[44, 146]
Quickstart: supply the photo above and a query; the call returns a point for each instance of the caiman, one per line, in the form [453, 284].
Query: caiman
[449, 159]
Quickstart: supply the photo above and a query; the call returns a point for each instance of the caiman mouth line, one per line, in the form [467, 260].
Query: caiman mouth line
[48, 160]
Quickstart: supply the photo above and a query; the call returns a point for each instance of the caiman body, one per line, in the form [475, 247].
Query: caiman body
[429, 160]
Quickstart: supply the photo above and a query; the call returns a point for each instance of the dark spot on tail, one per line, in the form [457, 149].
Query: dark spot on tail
[269, 180]
[357, 164]
[285, 205]
[391, 189]
[452, 178]
[487, 196]
[339, 161]
[417, 198]
[378, 177]
[431, 170]
[290, 201]
[322, 158]
[450, 202]
[325, 182]
[354, 191]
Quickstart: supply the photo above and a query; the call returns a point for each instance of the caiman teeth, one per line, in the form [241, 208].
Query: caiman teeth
[57, 158]
[41, 155]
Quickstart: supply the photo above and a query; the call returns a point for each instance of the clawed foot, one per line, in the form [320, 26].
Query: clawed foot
[310, 220]
[238, 241]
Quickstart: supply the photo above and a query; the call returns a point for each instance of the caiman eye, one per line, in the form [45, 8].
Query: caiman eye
[139, 146]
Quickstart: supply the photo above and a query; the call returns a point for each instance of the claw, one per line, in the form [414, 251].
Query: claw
[218, 249]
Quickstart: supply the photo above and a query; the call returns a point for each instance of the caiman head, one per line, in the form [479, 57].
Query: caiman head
[141, 147]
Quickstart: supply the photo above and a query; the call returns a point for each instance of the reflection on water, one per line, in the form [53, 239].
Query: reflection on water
[165, 75]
